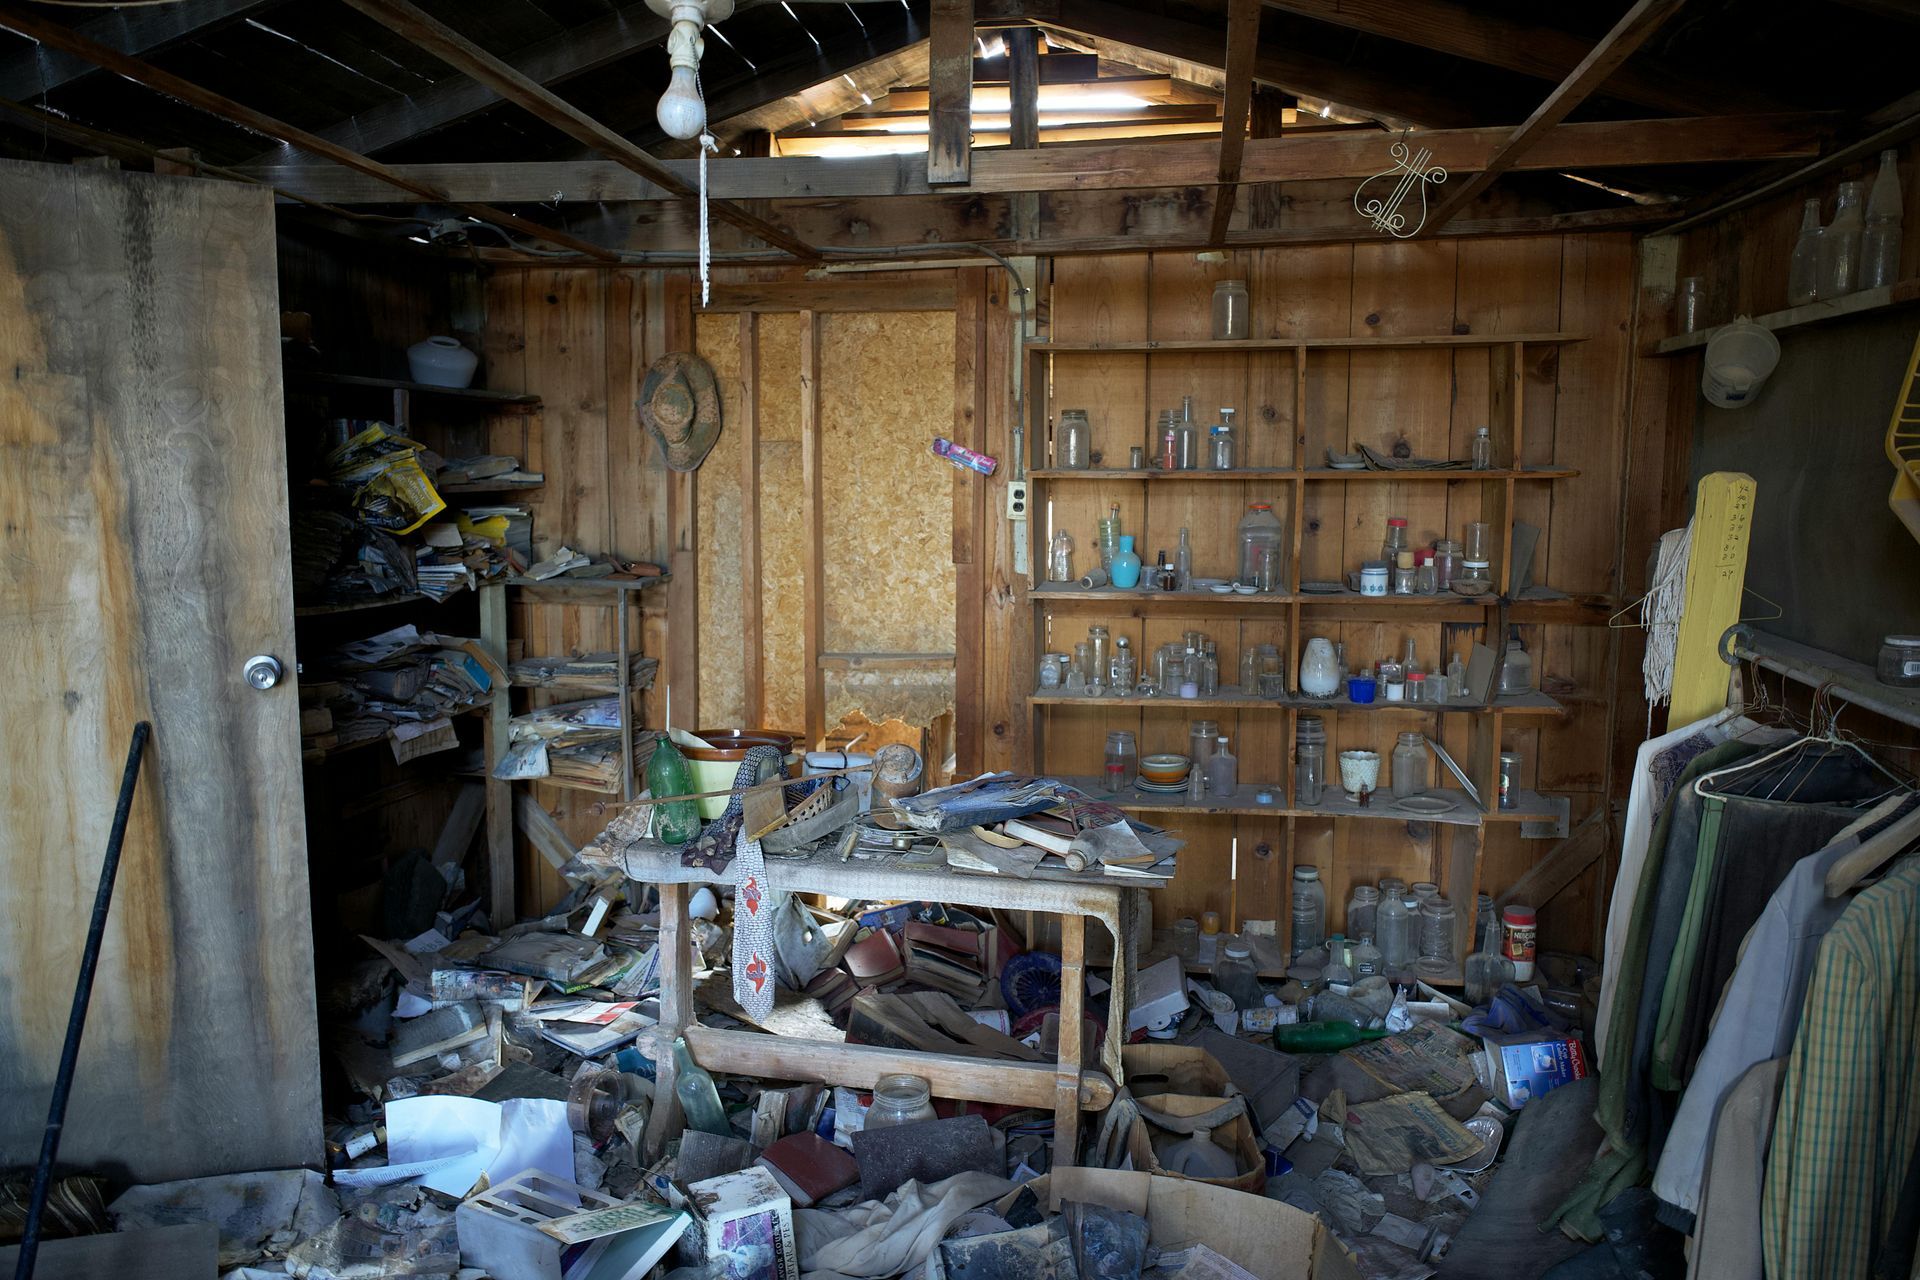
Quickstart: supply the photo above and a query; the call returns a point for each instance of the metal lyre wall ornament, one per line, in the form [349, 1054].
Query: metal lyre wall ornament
[1409, 175]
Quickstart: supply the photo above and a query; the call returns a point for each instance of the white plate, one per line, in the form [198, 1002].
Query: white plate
[1425, 804]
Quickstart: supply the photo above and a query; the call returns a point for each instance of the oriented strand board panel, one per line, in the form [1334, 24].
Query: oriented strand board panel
[143, 472]
[781, 601]
[722, 689]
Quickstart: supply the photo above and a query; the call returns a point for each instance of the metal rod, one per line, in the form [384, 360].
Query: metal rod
[1851, 682]
[82, 995]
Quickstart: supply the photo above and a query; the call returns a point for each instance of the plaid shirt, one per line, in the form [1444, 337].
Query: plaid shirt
[1850, 1106]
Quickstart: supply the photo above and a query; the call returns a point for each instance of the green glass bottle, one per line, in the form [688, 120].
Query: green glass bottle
[677, 821]
[699, 1100]
[1321, 1037]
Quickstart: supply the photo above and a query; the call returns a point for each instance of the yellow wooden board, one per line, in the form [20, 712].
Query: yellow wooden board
[1716, 574]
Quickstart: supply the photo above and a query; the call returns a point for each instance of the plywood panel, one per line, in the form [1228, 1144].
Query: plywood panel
[722, 687]
[780, 524]
[147, 549]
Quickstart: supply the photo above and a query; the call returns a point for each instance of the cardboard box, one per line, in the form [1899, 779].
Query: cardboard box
[532, 1227]
[1272, 1240]
[745, 1221]
[1521, 1068]
[1182, 1082]
[1160, 993]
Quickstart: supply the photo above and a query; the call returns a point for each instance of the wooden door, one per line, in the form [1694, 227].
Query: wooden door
[143, 560]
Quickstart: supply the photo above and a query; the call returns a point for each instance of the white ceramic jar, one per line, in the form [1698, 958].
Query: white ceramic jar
[442, 362]
[1319, 669]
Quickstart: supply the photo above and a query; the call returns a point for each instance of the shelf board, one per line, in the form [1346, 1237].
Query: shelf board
[1318, 474]
[1900, 294]
[1049, 591]
[1454, 476]
[355, 606]
[586, 586]
[1533, 703]
[1333, 804]
[1163, 477]
[360, 744]
[1407, 343]
[491, 486]
[479, 397]
[1528, 806]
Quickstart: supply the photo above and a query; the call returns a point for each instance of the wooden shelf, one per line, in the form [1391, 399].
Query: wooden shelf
[1230, 699]
[1333, 804]
[564, 586]
[478, 397]
[1408, 343]
[1458, 476]
[1537, 604]
[1901, 294]
[360, 744]
[1528, 806]
[491, 486]
[355, 606]
[1317, 474]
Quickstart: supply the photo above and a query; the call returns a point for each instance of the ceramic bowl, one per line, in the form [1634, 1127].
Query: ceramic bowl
[1166, 768]
[1360, 771]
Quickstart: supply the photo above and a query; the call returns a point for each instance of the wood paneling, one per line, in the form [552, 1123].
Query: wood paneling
[146, 545]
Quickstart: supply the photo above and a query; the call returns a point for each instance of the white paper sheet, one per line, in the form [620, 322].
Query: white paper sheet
[448, 1143]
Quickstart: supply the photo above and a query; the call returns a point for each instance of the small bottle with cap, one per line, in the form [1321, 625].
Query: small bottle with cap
[1482, 450]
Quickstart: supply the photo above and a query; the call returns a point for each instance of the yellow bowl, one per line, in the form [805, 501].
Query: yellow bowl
[1166, 768]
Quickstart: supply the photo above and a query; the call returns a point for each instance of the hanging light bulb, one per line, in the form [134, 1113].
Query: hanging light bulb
[681, 112]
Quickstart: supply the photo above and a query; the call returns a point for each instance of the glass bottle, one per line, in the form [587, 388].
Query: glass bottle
[1122, 674]
[1123, 761]
[1392, 887]
[1082, 662]
[1166, 442]
[1395, 934]
[1183, 563]
[1363, 910]
[1259, 536]
[1337, 970]
[676, 821]
[1223, 770]
[1220, 443]
[1365, 959]
[1880, 241]
[1060, 557]
[1436, 936]
[1124, 572]
[1209, 669]
[1516, 673]
[1109, 536]
[699, 1100]
[1486, 972]
[1099, 654]
[1840, 245]
[1456, 679]
[1234, 976]
[1396, 540]
[1688, 301]
[1426, 579]
[1186, 445]
[1403, 583]
[1482, 450]
[1803, 271]
[1230, 311]
[1446, 557]
[1074, 446]
[1486, 923]
[1409, 765]
[1200, 736]
[1309, 910]
[1309, 773]
[900, 1099]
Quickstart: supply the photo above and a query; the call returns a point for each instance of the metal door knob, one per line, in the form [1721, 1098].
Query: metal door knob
[263, 671]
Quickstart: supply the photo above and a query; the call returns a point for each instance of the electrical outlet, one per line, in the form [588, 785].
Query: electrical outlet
[1016, 499]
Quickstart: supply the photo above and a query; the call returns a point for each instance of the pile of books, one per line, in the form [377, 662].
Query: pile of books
[402, 684]
[494, 470]
[573, 744]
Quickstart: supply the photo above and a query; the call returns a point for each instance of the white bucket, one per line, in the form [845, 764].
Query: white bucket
[1739, 359]
[819, 762]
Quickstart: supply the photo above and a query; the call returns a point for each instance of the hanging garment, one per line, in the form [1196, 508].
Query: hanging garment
[1760, 1009]
[1850, 1106]
[1726, 1236]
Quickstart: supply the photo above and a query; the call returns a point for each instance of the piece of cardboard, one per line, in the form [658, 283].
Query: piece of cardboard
[1521, 1068]
[744, 1221]
[1160, 994]
[1269, 1079]
[1182, 1082]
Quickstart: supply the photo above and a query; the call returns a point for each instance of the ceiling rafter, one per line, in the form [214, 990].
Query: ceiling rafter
[70, 41]
[130, 31]
[1243, 40]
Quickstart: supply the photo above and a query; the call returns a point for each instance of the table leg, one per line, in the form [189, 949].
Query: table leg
[676, 1011]
[1073, 1012]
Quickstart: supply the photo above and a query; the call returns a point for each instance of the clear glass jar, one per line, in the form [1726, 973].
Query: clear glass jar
[1365, 959]
[1472, 578]
[1409, 765]
[1060, 557]
[1200, 738]
[1421, 890]
[1052, 667]
[1259, 535]
[1220, 443]
[1403, 583]
[1234, 976]
[1363, 910]
[1396, 540]
[1209, 669]
[1083, 660]
[1308, 910]
[1392, 887]
[1516, 673]
[1073, 447]
[900, 1100]
[1122, 673]
[1446, 557]
[1186, 939]
[1123, 761]
[1840, 243]
[1099, 654]
[1230, 318]
[1166, 442]
[1309, 773]
[1426, 578]
[1436, 936]
[1393, 681]
[1486, 924]
[1396, 934]
[1109, 537]
[1899, 663]
[1478, 541]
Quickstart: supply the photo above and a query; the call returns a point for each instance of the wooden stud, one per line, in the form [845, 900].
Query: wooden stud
[950, 86]
[543, 833]
[683, 561]
[747, 420]
[503, 896]
[813, 530]
[676, 1014]
[1073, 995]
[1243, 42]
[1023, 87]
[970, 529]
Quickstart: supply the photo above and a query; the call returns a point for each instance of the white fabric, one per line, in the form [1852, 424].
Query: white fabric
[1760, 1010]
[891, 1236]
[1636, 833]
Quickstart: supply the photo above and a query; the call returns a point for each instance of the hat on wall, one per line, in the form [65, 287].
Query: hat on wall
[680, 404]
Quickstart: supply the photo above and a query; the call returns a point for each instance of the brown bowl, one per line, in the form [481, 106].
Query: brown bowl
[733, 744]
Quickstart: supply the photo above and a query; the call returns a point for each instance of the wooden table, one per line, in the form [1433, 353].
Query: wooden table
[1064, 1085]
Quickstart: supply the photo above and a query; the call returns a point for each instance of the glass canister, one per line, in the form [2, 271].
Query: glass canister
[1409, 765]
[1436, 936]
[1899, 663]
[1273, 680]
[1309, 773]
[1123, 760]
[1473, 575]
[1403, 574]
[1259, 536]
[1060, 557]
[1186, 938]
[1446, 558]
[1230, 318]
[1363, 910]
[1396, 540]
[1200, 736]
[1099, 654]
[900, 1099]
[1421, 890]
[1073, 447]
[1234, 975]
[1308, 910]
[1396, 934]
[1082, 659]
[1052, 670]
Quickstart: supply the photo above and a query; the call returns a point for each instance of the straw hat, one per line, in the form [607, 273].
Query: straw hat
[680, 404]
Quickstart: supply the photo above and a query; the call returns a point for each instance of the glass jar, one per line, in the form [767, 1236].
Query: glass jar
[1082, 660]
[1230, 317]
[1363, 910]
[1259, 535]
[1220, 443]
[1308, 910]
[1108, 533]
[1516, 673]
[1409, 765]
[1486, 972]
[1200, 738]
[1234, 976]
[1186, 939]
[1209, 669]
[1073, 447]
[900, 1099]
[1393, 681]
[1417, 686]
[1403, 574]
[1309, 773]
[1899, 663]
[1396, 934]
[1123, 761]
[1436, 936]
[1421, 890]
[1122, 673]
[1166, 442]
[1052, 668]
[1426, 580]
[1186, 446]
[1446, 557]
[1099, 654]
[1060, 557]
[1396, 540]
[1472, 578]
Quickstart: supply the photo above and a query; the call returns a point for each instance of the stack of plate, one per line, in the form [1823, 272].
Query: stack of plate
[1161, 788]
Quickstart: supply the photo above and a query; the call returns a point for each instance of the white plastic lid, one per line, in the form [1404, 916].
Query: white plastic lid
[1306, 873]
[1237, 950]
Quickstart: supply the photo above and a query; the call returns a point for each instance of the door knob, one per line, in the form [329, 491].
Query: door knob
[263, 671]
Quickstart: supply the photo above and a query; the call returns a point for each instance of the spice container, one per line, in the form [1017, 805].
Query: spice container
[1073, 447]
[1436, 936]
[1426, 579]
[1396, 540]
[1899, 663]
[1409, 765]
[1123, 760]
[1518, 932]
[1373, 578]
[1230, 311]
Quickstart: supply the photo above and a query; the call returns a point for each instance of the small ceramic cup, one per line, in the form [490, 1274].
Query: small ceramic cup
[1359, 771]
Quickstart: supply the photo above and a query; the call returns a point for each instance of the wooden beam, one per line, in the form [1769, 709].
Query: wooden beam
[543, 833]
[813, 519]
[1023, 87]
[746, 419]
[1306, 156]
[1531, 49]
[950, 89]
[412, 23]
[53, 35]
[133, 31]
[1561, 865]
[1601, 61]
[1243, 42]
[683, 556]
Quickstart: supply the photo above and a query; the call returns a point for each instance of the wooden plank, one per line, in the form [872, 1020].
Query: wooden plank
[747, 422]
[420, 27]
[683, 520]
[970, 528]
[56, 36]
[456, 837]
[140, 447]
[1902, 294]
[676, 1012]
[1614, 48]
[950, 86]
[1562, 864]
[813, 563]
[503, 898]
[35, 72]
[1023, 87]
[1073, 1001]
[543, 833]
[1243, 43]
[1716, 574]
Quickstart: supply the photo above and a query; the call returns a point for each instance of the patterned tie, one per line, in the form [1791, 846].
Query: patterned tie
[752, 930]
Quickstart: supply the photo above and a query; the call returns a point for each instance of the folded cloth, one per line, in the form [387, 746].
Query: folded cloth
[892, 1236]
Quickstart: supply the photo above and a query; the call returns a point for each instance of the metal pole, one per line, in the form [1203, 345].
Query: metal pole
[82, 994]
